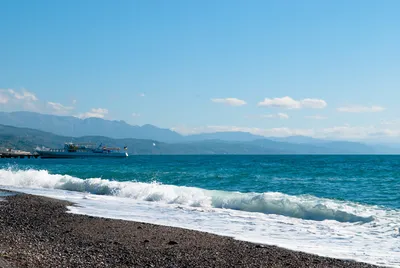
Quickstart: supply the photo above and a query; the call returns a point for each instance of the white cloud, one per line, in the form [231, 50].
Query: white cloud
[24, 95]
[230, 101]
[344, 132]
[390, 122]
[142, 95]
[74, 102]
[58, 108]
[361, 109]
[135, 115]
[313, 103]
[289, 103]
[21, 100]
[316, 117]
[4, 98]
[278, 115]
[357, 132]
[283, 116]
[269, 132]
[100, 110]
[95, 112]
[285, 102]
[10, 94]
[17, 100]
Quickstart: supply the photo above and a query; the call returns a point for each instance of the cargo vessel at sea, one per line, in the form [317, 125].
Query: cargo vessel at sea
[88, 150]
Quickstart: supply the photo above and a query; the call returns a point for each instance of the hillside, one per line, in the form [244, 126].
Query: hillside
[69, 128]
[28, 139]
[75, 127]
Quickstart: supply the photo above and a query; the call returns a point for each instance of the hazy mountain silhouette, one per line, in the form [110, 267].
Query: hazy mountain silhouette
[28, 139]
[54, 130]
[76, 127]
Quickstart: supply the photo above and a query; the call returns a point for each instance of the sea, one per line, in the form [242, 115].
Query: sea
[346, 207]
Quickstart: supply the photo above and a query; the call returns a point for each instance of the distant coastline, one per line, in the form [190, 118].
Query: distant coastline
[28, 139]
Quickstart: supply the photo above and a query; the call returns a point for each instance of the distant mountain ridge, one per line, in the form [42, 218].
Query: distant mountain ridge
[28, 139]
[54, 130]
[76, 127]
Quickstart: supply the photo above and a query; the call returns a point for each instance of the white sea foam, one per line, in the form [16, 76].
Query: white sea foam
[326, 227]
[308, 208]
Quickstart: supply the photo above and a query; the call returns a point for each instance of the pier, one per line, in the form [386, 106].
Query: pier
[10, 153]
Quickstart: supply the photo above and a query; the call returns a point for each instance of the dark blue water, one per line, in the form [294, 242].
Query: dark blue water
[365, 179]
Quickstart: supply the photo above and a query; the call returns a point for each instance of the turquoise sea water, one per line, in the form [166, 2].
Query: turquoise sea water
[371, 180]
[337, 206]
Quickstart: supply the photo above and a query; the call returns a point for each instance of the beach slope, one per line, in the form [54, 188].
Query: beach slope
[38, 232]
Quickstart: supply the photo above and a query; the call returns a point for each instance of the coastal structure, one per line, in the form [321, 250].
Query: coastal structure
[86, 150]
[11, 153]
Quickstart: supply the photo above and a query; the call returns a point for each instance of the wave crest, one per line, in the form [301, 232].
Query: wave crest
[307, 208]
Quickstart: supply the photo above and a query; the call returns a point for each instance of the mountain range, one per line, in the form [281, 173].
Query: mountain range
[76, 127]
[26, 130]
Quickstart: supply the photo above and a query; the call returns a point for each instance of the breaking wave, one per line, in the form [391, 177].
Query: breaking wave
[302, 207]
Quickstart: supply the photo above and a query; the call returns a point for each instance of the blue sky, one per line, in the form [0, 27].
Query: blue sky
[318, 68]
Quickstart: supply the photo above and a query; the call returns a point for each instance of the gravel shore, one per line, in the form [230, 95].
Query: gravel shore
[37, 232]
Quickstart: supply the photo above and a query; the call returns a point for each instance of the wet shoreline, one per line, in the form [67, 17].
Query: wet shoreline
[38, 232]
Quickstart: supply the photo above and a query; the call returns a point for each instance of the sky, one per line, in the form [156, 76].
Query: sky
[327, 69]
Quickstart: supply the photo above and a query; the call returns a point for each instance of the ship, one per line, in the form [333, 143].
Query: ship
[88, 150]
